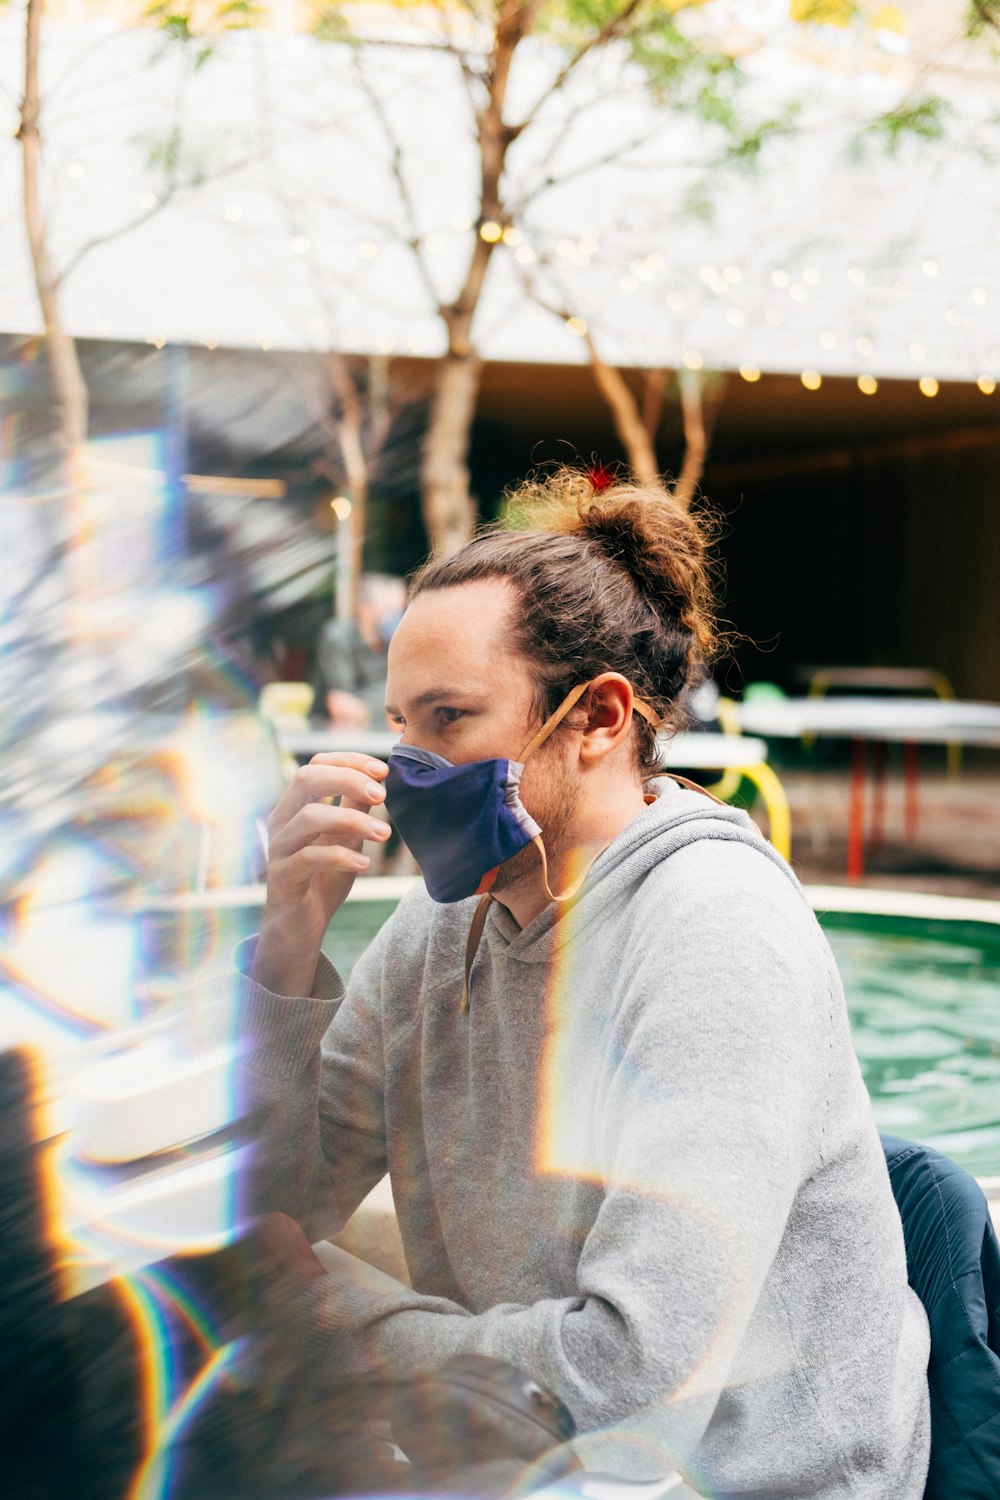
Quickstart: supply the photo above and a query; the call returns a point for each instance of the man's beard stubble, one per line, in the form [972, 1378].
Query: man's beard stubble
[553, 796]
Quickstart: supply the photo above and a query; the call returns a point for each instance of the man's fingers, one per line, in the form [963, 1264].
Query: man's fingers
[324, 778]
[317, 821]
[366, 763]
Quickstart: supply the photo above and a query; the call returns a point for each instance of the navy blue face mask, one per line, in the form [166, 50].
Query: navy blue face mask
[462, 822]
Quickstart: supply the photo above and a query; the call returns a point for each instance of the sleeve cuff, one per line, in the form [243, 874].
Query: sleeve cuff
[282, 1033]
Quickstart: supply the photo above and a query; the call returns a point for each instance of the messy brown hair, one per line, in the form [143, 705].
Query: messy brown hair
[615, 580]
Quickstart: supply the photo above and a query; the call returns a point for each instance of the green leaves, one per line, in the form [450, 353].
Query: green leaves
[921, 119]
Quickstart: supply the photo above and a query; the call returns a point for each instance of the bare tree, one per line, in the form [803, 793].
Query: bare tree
[67, 376]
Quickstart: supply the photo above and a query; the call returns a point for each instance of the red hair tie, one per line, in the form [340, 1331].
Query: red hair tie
[600, 478]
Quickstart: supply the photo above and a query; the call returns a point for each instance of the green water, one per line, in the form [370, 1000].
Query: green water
[924, 1003]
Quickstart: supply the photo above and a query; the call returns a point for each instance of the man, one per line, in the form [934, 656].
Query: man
[351, 657]
[629, 1144]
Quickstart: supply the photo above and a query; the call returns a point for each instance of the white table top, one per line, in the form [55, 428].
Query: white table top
[927, 720]
[709, 752]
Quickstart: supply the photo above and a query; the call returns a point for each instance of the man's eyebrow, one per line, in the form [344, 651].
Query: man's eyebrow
[438, 695]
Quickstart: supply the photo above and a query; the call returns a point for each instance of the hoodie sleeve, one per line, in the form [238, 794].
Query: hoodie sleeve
[700, 1131]
[311, 1074]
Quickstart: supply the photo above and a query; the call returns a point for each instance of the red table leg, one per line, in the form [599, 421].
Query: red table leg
[880, 754]
[856, 815]
[911, 781]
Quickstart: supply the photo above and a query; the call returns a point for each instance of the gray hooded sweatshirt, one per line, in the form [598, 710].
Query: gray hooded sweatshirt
[643, 1167]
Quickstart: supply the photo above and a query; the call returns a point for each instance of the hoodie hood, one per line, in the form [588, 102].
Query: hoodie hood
[677, 818]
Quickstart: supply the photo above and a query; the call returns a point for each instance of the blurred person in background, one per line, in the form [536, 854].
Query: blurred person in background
[352, 656]
[602, 1050]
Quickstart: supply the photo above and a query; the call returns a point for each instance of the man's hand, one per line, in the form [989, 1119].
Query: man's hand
[314, 854]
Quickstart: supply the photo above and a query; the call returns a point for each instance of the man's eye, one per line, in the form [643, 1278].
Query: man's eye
[449, 715]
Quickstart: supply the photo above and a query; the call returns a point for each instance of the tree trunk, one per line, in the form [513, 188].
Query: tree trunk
[350, 436]
[67, 377]
[449, 511]
[700, 404]
[628, 421]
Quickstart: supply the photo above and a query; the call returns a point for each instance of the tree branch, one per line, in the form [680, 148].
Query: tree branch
[611, 29]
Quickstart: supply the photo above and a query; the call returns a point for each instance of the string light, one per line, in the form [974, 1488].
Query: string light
[811, 276]
[341, 507]
[693, 360]
[490, 231]
[811, 379]
[864, 345]
[828, 339]
[750, 374]
[524, 255]
[931, 268]
[512, 235]
[928, 385]
[576, 326]
[980, 296]
[300, 244]
[780, 278]
[867, 385]
[855, 275]
[368, 249]
[917, 352]
[986, 384]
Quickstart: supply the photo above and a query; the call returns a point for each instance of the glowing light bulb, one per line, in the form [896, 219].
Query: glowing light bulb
[918, 352]
[928, 385]
[931, 268]
[980, 296]
[780, 278]
[986, 384]
[864, 344]
[490, 231]
[576, 326]
[693, 360]
[811, 379]
[341, 507]
[828, 339]
[750, 374]
[811, 276]
[524, 255]
[867, 385]
[512, 235]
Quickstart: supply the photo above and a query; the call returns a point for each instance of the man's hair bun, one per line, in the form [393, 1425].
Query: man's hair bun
[663, 547]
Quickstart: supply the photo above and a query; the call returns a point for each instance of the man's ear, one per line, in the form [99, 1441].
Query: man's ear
[609, 716]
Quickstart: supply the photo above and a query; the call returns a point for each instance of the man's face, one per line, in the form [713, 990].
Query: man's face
[457, 687]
